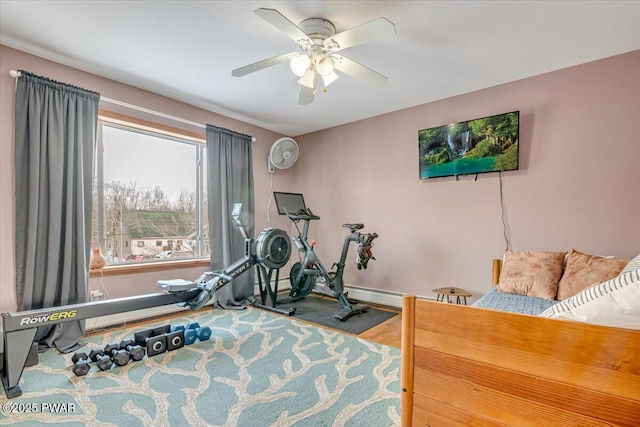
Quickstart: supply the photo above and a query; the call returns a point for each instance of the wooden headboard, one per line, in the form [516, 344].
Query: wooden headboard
[466, 366]
[495, 273]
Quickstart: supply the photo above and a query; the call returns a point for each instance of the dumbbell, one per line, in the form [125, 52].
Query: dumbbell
[136, 352]
[193, 331]
[175, 339]
[156, 345]
[102, 360]
[140, 337]
[119, 356]
[189, 335]
[202, 332]
[80, 363]
[164, 339]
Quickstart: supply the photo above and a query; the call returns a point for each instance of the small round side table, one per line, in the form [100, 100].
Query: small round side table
[452, 292]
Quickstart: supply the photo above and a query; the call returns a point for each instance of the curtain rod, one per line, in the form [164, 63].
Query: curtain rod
[16, 74]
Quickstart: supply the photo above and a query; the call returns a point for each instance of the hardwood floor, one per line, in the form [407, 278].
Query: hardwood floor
[386, 333]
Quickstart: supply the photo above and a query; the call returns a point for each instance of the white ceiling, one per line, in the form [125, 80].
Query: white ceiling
[186, 49]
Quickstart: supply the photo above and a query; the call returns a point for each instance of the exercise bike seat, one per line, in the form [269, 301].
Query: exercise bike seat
[353, 227]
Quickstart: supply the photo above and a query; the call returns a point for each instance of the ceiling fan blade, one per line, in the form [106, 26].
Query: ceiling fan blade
[374, 30]
[306, 95]
[256, 66]
[359, 71]
[279, 21]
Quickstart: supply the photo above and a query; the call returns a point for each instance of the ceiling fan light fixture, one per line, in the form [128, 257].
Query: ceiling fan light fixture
[309, 79]
[299, 64]
[329, 78]
[324, 64]
[318, 53]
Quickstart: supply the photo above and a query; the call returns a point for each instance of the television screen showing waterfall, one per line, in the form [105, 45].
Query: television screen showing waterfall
[488, 144]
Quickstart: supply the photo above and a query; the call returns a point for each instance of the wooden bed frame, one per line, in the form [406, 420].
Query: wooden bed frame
[464, 366]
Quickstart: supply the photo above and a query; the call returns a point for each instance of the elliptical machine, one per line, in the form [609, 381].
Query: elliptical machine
[309, 273]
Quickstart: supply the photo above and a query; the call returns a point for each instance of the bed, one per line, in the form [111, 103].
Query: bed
[467, 365]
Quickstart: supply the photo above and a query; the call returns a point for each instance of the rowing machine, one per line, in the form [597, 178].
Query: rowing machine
[272, 252]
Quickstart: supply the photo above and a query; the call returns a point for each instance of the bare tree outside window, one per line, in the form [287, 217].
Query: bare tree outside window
[147, 190]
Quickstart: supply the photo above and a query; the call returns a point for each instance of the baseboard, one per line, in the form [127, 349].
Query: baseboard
[374, 296]
[103, 322]
[132, 316]
[368, 295]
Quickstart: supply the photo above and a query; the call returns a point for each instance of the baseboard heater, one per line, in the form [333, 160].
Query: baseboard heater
[368, 295]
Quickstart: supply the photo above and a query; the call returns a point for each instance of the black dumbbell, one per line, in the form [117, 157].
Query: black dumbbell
[102, 360]
[156, 345]
[140, 337]
[175, 340]
[80, 363]
[164, 329]
[119, 356]
[136, 352]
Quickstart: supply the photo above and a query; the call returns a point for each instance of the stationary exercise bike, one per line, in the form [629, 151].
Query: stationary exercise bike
[310, 273]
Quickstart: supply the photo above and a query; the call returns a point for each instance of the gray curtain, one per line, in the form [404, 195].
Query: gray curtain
[55, 137]
[230, 181]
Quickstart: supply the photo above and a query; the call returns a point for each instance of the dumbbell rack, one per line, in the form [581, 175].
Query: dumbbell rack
[19, 329]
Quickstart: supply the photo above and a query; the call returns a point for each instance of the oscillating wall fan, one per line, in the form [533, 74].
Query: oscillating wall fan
[318, 57]
[283, 154]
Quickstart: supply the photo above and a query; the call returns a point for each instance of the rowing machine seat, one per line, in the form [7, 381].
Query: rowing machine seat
[176, 285]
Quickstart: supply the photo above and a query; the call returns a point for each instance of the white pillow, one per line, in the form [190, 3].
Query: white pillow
[634, 264]
[615, 302]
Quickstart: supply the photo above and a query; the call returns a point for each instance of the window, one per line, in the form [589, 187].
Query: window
[150, 188]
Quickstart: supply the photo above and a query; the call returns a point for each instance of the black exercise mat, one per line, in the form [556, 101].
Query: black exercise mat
[320, 310]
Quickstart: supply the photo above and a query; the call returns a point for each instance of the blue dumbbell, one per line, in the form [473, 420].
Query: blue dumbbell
[190, 335]
[203, 333]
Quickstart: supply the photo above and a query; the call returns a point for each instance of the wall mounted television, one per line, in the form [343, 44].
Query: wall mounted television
[487, 144]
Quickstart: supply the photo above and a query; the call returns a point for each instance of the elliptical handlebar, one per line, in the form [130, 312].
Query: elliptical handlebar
[364, 250]
[302, 214]
[353, 227]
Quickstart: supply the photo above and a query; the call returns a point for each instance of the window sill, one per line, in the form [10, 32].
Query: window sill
[118, 270]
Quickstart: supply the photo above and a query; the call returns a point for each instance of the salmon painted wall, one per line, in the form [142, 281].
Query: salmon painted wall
[118, 286]
[578, 185]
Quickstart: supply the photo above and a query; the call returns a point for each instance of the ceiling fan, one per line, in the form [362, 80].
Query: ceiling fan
[318, 57]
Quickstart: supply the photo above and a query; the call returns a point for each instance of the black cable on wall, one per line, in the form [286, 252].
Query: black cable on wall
[505, 220]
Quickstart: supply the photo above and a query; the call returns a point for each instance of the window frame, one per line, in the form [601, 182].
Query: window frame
[123, 121]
